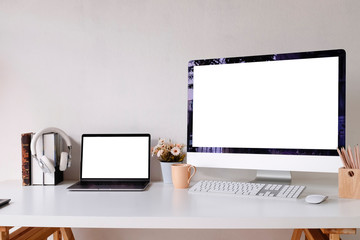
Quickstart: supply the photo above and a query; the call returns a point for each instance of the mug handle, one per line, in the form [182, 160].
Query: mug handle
[189, 170]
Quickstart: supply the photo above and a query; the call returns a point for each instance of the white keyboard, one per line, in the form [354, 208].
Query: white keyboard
[248, 189]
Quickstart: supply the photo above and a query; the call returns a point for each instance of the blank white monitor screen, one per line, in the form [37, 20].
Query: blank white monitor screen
[115, 157]
[280, 104]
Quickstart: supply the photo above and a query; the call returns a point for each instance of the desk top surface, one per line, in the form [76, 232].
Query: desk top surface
[162, 206]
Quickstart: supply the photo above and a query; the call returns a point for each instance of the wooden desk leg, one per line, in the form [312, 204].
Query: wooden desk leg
[315, 234]
[57, 235]
[334, 233]
[4, 233]
[322, 234]
[334, 236]
[67, 233]
[36, 233]
[20, 232]
[32, 233]
[297, 234]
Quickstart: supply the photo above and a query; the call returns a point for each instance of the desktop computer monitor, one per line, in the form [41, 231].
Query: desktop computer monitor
[279, 112]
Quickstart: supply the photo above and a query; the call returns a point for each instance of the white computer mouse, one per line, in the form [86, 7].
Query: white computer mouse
[315, 198]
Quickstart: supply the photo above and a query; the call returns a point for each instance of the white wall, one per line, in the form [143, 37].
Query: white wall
[121, 66]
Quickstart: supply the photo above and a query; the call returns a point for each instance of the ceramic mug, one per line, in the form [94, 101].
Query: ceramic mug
[181, 175]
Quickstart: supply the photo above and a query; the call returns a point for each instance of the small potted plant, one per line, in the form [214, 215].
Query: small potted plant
[168, 153]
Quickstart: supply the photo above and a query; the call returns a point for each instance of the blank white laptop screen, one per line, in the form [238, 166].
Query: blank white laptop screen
[115, 157]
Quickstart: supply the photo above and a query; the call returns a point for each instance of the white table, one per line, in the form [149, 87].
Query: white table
[162, 206]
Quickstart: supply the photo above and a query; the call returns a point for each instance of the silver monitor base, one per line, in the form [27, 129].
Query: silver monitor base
[267, 176]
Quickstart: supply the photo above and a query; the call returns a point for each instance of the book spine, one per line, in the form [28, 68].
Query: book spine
[59, 175]
[37, 175]
[26, 158]
[51, 151]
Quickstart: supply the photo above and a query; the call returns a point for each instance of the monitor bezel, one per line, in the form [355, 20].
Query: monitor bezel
[340, 53]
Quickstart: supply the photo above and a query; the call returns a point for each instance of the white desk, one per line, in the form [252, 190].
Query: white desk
[162, 206]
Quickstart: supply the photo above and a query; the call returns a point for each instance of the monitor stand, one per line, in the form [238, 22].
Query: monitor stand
[269, 176]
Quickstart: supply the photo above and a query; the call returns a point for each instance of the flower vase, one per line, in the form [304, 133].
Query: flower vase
[166, 171]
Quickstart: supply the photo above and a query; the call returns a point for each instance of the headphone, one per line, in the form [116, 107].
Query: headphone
[45, 164]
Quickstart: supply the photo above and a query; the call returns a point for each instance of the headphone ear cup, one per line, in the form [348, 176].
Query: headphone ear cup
[48, 167]
[63, 161]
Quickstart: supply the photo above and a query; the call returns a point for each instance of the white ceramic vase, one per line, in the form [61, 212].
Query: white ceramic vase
[166, 171]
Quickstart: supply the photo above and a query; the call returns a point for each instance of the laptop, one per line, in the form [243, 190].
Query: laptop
[114, 162]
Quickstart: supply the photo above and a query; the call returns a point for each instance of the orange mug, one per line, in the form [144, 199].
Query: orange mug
[181, 176]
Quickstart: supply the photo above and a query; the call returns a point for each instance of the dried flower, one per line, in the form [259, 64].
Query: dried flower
[160, 152]
[175, 151]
